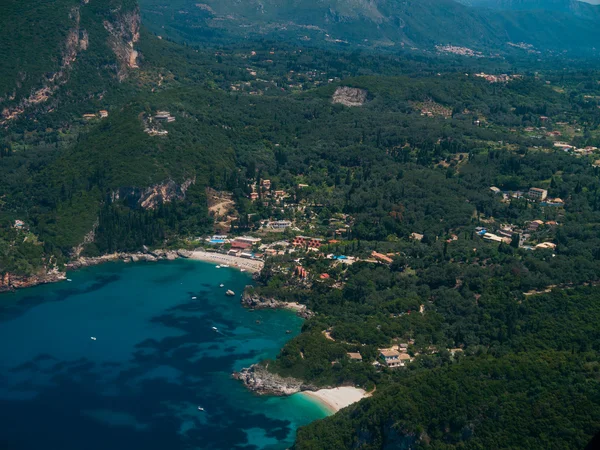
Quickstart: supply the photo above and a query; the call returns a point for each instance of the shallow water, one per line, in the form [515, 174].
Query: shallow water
[155, 359]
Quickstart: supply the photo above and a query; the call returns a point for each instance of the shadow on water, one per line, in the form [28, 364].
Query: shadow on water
[123, 405]
[26, 302]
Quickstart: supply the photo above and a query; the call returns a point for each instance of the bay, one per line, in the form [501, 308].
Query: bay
[155, 359]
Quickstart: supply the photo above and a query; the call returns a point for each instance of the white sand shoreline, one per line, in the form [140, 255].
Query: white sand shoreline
[251, 265]
[336, 398]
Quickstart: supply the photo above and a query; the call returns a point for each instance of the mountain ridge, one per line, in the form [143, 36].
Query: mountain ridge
[376, 23]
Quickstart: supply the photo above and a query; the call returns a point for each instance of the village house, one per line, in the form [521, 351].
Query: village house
[266, 184]
[534, 225]
[354, 356]
[382, 258]
[546, 245]
[301, 272]
[280, 224]
[393, 358]
[537, 194]
[310, 242]
[103, 113]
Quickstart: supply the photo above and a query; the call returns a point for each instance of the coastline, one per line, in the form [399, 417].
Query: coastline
[10, 282]
[250, 265]
[336, 398]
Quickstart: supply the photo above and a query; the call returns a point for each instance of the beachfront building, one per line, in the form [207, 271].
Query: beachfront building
[244, 242]
[537, 194]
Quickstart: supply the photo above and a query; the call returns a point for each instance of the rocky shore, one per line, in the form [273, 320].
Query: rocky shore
[10, 282]
[147, 255]
[258, 379]
[253, 300]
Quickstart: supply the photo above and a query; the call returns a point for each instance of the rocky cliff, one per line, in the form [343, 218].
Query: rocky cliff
[124, 32]
[258, 379]
[349, 96]
[151, 197]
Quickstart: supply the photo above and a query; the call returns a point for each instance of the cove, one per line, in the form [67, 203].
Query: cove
[156, 358]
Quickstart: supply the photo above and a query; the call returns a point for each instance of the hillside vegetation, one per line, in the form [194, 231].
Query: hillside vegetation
[402, 186]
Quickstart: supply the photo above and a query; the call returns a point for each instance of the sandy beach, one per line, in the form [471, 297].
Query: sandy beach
[251, 265]
[337, 398]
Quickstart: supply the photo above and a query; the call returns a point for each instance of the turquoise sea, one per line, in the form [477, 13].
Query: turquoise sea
[156, 358]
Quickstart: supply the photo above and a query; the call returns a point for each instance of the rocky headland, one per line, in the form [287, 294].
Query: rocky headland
[253, 300]
[258, 379]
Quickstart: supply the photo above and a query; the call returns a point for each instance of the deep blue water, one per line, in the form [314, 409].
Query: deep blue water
[155, 359]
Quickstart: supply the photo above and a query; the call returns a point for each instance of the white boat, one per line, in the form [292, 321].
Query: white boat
[194, 298]
[242, 270]
[224, 265]
[230, 293]
[68, 279]
[215, 328]
[221, 285]
[200, 408]
[218, 267]
[93, 338]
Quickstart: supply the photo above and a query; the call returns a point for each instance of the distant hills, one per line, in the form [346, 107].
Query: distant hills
[580, 9]
[485, 25]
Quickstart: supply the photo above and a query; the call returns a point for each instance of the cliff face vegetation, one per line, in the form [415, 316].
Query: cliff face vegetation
[55, 41]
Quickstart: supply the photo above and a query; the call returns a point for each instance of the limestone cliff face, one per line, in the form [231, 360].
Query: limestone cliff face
[124, 32]
[349, 96]
[151, 197]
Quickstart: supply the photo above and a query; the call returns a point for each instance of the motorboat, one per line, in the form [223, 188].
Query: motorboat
[221, 285]
[200, 408]
[218, 267]
[215, 328]
[230, 293]
[93, 338]
[194, 298]
[224, 265]
[69, 280]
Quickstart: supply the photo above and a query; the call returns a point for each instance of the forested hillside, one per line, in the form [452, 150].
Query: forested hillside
[416, 172]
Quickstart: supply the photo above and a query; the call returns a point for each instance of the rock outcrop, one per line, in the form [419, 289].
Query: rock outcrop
[250, 299]
[151, 197]
[124, 32]
[349, 96]
[258, 379]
